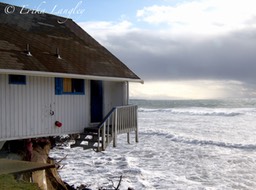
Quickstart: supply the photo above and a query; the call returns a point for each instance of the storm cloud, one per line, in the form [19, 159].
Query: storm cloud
[158, 57]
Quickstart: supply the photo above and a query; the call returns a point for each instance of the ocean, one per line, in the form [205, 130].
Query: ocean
[183, 144]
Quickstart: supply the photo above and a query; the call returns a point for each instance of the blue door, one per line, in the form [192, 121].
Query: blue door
[96, 101]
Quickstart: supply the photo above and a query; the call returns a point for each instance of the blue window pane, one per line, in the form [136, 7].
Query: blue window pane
[17, 79]
[77, 87]
[58, 86]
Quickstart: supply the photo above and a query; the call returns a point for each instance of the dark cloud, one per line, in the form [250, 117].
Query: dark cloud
[159, 56]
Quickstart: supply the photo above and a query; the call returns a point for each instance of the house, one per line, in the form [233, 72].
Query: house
[56, 79]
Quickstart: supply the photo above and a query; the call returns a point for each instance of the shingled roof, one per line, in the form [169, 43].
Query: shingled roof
[80, 54]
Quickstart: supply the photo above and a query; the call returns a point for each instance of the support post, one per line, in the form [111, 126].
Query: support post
[108, 133]
[128, 138]
[136, 135]
[136, 123]
[98, 147]
[103, 137]
[115, 130]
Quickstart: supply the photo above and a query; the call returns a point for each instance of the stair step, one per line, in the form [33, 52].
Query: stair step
[88, 136]
[79, 141]
[86, 143]
[91, 130]
[94, 130]
[85, 146]
[90, 133]
[92, 136]
[90, 139]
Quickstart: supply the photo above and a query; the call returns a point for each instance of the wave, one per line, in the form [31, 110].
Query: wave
[213, 143]
[179, 139]
[202, 111]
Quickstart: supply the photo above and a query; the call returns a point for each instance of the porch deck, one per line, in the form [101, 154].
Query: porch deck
[120, 120]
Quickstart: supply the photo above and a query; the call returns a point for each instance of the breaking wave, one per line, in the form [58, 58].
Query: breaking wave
[201, 111]
[213, 143]
[179, 139]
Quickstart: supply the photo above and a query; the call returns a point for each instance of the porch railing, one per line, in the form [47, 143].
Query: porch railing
[121, 119]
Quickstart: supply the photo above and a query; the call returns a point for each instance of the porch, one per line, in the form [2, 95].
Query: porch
[120, 120]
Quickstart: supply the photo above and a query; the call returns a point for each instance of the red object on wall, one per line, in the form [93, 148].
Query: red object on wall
[58, 124]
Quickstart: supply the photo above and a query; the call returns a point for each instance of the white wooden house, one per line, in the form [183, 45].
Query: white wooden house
[56, 79]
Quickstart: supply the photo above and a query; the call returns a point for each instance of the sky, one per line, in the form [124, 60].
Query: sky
[182, 49]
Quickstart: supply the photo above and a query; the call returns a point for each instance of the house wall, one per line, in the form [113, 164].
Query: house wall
[115, 94]
[25, 110]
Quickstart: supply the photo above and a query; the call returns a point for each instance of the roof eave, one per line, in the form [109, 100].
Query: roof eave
[67, 75]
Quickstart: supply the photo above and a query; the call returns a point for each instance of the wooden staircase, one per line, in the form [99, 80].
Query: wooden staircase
[91, 138]
[121, 119]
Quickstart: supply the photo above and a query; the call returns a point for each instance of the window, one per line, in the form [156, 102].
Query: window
[69, 86]
[17, 79]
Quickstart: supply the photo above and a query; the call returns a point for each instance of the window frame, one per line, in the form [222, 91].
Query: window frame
[12, 80]
[59, 87]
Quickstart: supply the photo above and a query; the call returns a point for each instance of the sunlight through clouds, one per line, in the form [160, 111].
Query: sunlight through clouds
[193, 89]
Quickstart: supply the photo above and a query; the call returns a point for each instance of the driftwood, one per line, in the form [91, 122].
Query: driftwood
[61, 159]
[57, 164]
[119, 183]
[115, 187]
[87, 187]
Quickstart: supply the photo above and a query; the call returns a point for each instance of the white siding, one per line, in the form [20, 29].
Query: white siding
[25, 109]
[114, 94]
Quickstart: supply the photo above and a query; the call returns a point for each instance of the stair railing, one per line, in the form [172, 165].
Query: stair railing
[121, 119]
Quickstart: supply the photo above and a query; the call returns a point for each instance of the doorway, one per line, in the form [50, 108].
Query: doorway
[96, 101]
